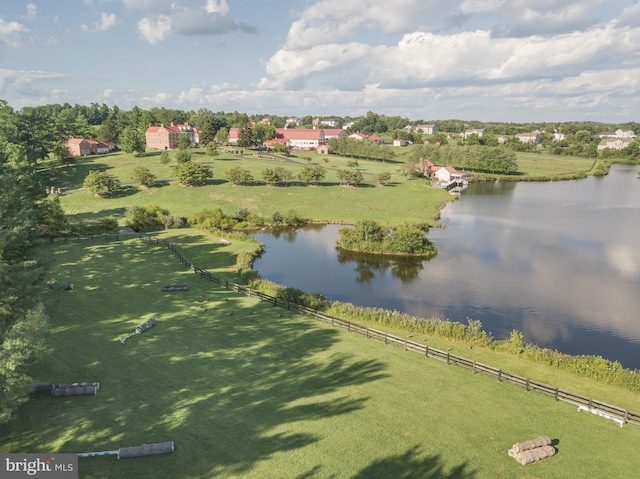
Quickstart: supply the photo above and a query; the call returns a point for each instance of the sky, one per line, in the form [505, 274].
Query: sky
[488, 60]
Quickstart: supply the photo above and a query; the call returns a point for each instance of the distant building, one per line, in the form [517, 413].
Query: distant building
[303, 138]
[81, 146]
[88, 146]
[426, 129]
[294, 120]
[481, 132]
[166, 137]
[328, 122]
[614, 143]
[533, 137]
[620, 133]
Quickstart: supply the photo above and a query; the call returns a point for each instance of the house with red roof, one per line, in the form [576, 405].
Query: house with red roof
[166, 137]
[447, 176]
[358, 136]
[376, 139]
[81, 146]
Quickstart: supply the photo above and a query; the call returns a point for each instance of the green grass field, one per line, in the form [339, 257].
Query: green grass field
[329, 202]
[246, 390]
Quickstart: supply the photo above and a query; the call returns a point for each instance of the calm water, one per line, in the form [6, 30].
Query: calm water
[559, 261]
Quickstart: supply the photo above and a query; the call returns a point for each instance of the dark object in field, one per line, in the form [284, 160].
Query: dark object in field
[135, 451]
[141, 329]
[146, 326]
[175, 287]
[146, 450]
[64, 390]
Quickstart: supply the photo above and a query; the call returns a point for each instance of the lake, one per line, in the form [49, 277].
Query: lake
[558, 261]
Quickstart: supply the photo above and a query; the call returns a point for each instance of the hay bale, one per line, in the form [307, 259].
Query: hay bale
[529, 456]
[532, 444]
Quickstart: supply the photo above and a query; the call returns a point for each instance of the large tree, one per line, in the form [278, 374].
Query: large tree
[131, 141]
[192, 173]
[101, 183]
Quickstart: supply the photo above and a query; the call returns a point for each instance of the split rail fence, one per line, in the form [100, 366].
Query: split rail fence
[620, 415]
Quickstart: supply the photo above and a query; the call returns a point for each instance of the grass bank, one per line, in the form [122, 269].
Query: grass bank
[248, 390]
[329, 202]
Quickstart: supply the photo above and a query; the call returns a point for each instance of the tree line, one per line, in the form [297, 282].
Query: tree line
[23, 321]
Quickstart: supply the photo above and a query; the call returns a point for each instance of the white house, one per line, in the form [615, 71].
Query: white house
[398, 142]
[305, 138]
[448, 174]
[558, 137]
[620, 133]
[481, 132]
[503, 140]
[426, 129]
[533, 137]
[607, 134]
[359, 136]
[294, 120]
[330, 123]
[614, 143]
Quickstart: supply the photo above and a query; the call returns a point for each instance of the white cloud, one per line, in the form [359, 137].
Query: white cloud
[185, 17]
[32, 11]
[424, 59]
[13, 34]
[214, 6]
[107, 21]
[154, 29]
[26, 82]
[337, 20]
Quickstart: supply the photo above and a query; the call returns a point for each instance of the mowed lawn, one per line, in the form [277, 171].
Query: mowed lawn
[327, 202]
[401, 201]
[245, 389]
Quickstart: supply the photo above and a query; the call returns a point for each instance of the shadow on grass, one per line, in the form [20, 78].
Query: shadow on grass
[230, 379]
[414, 465]
[70, 177]
[125, 190]
[96, 215]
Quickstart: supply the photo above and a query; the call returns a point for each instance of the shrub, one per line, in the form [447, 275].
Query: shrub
[146, 218]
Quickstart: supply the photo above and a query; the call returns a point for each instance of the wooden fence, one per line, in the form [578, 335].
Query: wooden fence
[92, 237]
[617, 414]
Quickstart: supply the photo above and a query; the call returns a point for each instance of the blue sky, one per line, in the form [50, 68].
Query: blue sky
[491, 60]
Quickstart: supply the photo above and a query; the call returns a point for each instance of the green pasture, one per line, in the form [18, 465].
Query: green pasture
[247, 390]
[547, 165]
[328, 202]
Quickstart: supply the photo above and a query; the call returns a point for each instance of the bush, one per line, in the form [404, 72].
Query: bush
[143, 175]
[101, 183]
[146, 218]
[211, 220]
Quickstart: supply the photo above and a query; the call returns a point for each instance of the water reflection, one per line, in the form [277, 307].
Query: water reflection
[368, 266]
[559, 261]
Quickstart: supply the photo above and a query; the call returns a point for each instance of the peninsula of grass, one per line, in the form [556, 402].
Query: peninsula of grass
[329, 202]
[245, 389]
